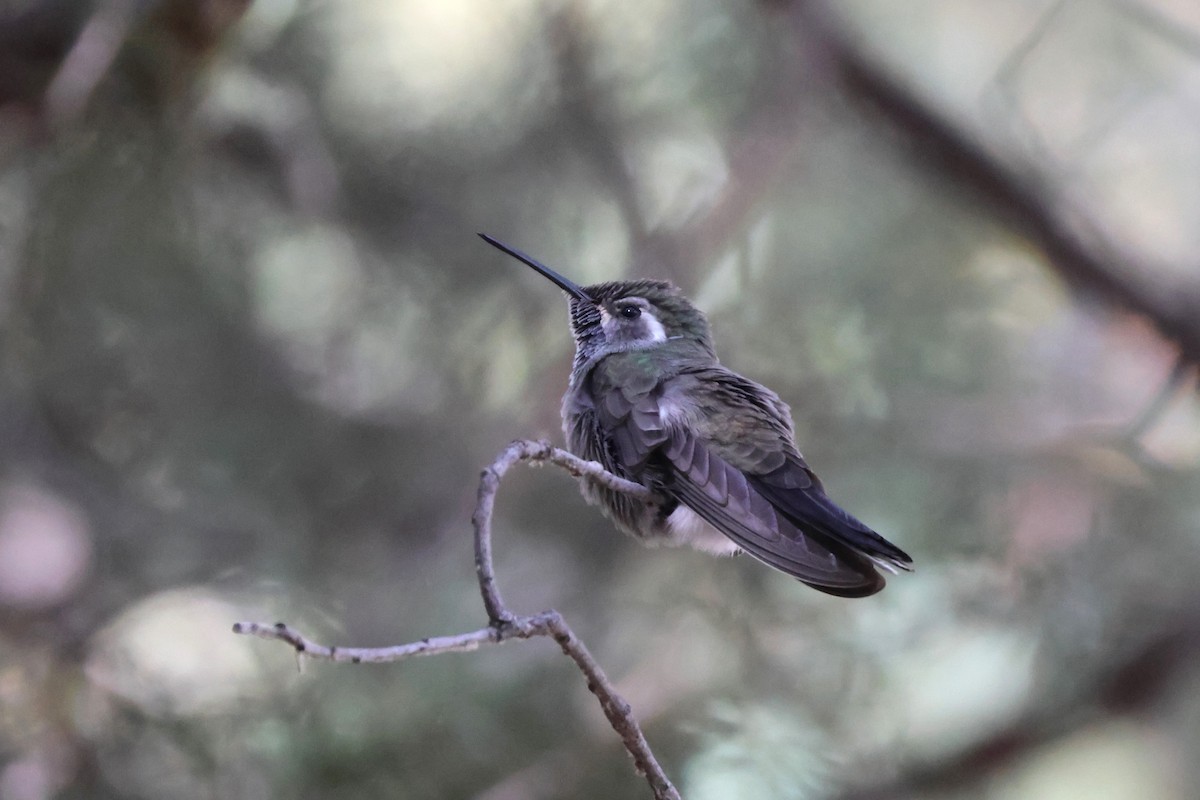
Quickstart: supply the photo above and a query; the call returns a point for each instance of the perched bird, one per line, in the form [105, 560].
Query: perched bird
[649, 400]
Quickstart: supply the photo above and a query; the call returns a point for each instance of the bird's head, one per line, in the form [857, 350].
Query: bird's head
[624, 315]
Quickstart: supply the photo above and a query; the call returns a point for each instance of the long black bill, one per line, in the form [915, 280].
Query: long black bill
[567, 286]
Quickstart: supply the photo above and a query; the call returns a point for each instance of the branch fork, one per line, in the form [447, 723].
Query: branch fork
[504, 625]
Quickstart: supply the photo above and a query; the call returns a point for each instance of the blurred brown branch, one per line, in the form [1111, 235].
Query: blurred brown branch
[1153, 413]
[758, 148]
[1127, 685]
[88, 60]
[503, 624]
[1022, 198]
[586, 107]
[55, 54]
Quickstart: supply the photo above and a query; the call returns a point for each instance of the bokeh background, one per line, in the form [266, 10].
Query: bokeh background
[253, 357]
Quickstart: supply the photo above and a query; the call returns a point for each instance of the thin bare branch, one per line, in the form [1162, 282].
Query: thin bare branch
[489, 483]
[503, 624]
[462, 643]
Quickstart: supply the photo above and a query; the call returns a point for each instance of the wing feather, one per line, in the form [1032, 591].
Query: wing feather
[812, 510]
[735, 465]
[754, 524]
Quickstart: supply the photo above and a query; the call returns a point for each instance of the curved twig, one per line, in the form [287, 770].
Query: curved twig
[489, 482]
[503, 624]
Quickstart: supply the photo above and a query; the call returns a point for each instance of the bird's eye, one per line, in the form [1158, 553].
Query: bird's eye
[629, 311]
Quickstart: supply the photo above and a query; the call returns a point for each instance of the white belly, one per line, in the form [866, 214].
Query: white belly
[685, 526]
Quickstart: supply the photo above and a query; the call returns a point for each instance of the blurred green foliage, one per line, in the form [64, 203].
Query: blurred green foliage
[252, 357]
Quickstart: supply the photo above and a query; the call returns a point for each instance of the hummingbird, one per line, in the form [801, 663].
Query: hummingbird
[649, 400]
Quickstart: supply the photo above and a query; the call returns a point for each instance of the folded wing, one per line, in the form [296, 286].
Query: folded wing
[732, 503]
[732, 461]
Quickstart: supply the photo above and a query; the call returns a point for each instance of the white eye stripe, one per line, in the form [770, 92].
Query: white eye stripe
[642, 330]
[654, 327]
